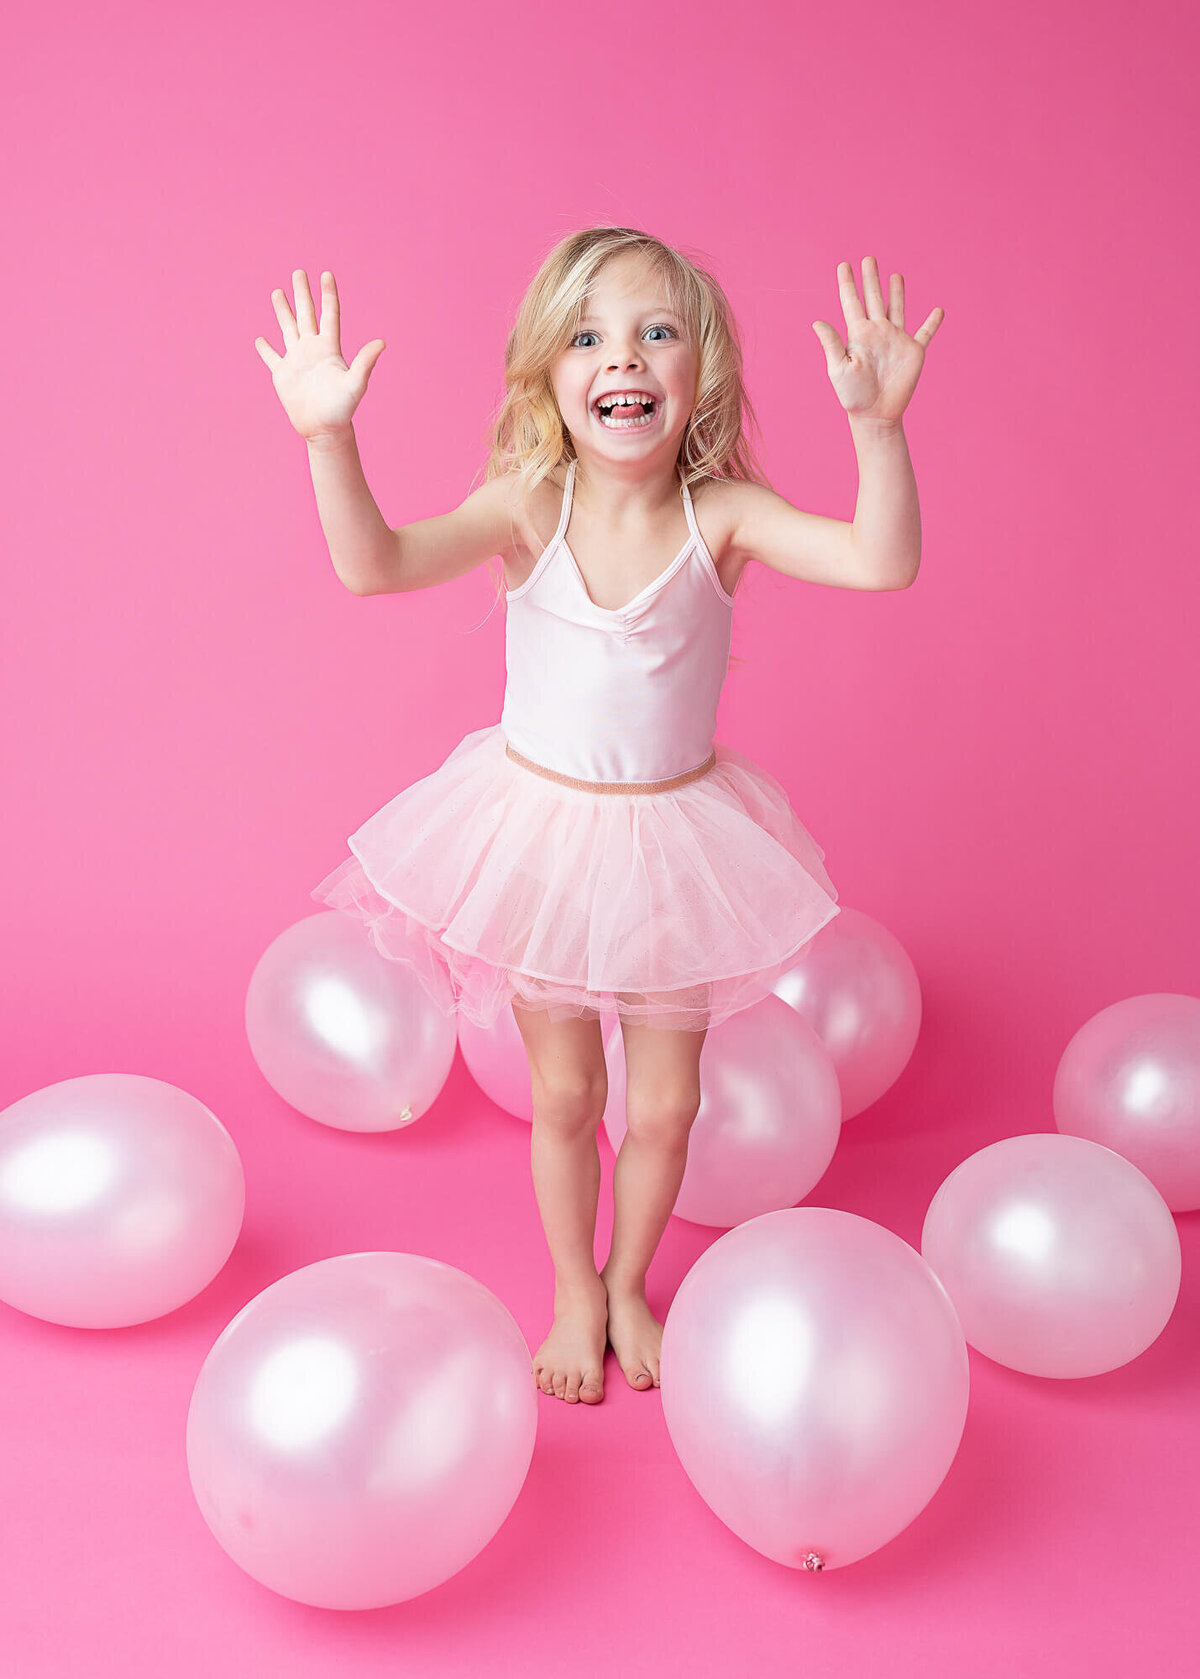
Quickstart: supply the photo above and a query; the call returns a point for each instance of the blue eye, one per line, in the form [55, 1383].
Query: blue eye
[658, 327]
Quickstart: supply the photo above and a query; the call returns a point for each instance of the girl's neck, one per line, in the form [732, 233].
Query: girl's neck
[633, 494]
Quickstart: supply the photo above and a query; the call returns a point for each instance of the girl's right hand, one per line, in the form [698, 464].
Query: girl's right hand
[318, 391]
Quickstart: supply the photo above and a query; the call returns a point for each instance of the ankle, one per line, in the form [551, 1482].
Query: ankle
[570, 1290]
[627, 1285]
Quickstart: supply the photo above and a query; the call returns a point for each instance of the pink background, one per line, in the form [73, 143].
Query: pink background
[999, 762]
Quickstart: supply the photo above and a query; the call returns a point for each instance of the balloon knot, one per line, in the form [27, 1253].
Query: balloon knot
[814, 1560]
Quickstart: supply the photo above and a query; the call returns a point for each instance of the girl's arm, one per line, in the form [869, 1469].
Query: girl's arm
[320, 393]
[887, 515]
[874, 375]
[879, 549]
[361, 545]
[429, 551]
[371, 559]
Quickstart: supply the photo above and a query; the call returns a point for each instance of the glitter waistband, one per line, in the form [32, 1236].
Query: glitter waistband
[614, 786]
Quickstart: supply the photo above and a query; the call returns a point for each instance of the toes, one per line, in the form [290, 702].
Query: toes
[572, 1393]
[591, 1390]
[639, 1378]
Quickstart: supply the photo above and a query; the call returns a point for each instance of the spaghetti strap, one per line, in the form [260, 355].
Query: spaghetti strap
[565, 512]
[690, 511]
[555, 542]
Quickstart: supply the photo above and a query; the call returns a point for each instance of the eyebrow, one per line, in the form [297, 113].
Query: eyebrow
[654, 309]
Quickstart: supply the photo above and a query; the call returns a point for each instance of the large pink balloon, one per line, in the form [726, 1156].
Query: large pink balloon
[814, 1383]
[858, 989]
[1062, 1259]
[496, 1060]
[1130, 1079]
[362, 1429]
[121, 1197]
[769, 1117]
[349, 1037]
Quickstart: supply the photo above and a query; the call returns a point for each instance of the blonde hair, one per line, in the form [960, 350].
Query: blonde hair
[528, 435]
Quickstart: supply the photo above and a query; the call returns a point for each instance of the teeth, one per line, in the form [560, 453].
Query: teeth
[618, 422]
[624, 401]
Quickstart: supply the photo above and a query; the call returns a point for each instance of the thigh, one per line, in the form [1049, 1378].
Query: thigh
[662, 1066]
[564, 1054]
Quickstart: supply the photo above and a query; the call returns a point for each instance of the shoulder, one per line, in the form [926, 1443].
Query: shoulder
[735, 503]
[715, 503]
[531, 518]
[718, 506]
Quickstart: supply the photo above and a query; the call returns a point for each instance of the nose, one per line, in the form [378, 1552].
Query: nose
[625, 353]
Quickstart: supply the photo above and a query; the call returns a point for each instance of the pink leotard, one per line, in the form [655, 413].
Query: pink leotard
[624, 694]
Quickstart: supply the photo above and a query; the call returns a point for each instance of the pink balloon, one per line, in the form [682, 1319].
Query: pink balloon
[121, 1197]
[362, 1429]
[347, 1036]
[858, 989]
[769, 1118]
[814, 1384]
[1062, 1259]
[1130, 1079]
[496, 1059]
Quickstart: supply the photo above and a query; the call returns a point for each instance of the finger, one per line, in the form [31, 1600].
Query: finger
[364, 362]
[331, 314]
[831, 343]
[270, 355]
[284, 316]
[929, 326]
[872, 290]
[306, 315]
[896, 301]
[852, 309]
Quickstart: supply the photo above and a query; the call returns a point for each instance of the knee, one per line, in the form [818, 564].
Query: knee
[569, 1102]
[662, 1118]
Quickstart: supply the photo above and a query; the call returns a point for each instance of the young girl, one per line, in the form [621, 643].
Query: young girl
[596, 850]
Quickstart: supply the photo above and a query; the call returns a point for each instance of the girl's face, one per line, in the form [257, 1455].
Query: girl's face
[629, 341]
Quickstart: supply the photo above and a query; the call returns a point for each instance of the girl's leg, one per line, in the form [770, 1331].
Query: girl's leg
[662, 1099]
[570, 1088]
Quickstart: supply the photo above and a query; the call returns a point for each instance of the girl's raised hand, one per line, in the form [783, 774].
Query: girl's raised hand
[876, 372]
[318, 391]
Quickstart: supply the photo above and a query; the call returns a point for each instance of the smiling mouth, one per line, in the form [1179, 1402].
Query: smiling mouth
[626, 415]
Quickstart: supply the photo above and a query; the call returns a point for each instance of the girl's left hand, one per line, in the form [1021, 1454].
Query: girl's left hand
[876, 373]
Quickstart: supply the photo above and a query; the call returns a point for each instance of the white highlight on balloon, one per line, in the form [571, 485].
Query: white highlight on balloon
[59, 1174]
[1145, 1085]
[302, 1393]
[1025, 1231]
[342, 1019]
[770, 1359]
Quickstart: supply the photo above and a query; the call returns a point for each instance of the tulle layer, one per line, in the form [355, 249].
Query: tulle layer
[674, 909]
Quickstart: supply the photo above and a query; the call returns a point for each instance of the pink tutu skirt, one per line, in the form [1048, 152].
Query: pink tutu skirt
[674, 908]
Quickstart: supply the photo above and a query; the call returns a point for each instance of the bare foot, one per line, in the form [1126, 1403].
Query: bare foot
[635, 1335]
[569, 1364]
